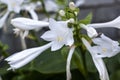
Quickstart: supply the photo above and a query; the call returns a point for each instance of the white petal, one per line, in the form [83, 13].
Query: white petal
[97, 61]
[101, 68]
[51, 6]
[70, 39]
[56, 46]
[90, 31]
[114, 23]
[86, 43]
[17, 9]
[68, 73]
[20, 59]
[3, 19]
[49, 36]
[33, 14]
[28, 24]
[25, 34]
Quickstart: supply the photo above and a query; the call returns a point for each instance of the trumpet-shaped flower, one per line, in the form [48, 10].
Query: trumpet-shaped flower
[20, 59]
[12, 5]
[31, 9]
[68, 73]
[25, 24]
[17, 5]
[114, 23]
[105, 47]
[97, 61]
[90, 31]
[59, 34]
[51, 6]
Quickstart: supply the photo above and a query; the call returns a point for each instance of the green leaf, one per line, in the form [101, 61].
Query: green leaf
[3, 67]
[90, 64]
[87, 20]
[115, 76]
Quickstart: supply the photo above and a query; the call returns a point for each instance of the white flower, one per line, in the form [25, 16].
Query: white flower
[20, 59]
[25, 24]
[12, 5]
[97, 61]
[3, 19]
[105, 47]
[31, 9]
[114, 23]
[68, 73]
[51, 6]
[59, 34]
[62, 13]
[90, 31]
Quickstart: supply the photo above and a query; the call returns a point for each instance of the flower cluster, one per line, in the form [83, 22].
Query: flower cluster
[67, 32]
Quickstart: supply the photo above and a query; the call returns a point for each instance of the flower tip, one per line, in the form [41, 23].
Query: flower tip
[62, 13]
[72, 5]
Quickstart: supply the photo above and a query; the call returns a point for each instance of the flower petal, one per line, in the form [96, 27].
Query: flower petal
[48, 36]
[20, 59]
[28, 24]
[68, 73]
[3, 19]
[114, 23]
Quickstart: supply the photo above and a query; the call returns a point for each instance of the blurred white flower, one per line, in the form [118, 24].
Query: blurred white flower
[97, 61]
[105, 47]
[20, 59]
[30, 7]
[59, 34]
[25, 24]
[114, 23]
[51, 6]
[90, 31]
[12, 5]
[68, 73]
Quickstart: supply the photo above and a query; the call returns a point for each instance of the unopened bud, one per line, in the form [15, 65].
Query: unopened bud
[71, 20]
[62, 13]
[76, 13]
[72, 5]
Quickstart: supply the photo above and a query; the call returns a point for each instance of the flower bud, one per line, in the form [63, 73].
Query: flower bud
[62, 13]
[71, 20]
[72, 5]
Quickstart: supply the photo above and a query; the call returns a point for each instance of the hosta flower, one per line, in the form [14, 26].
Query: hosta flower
[90, 31]
[114, 23]
[58, 35]
[30, 7]
[20, 59]
[105, 47]
[25, 24]
[68, 73]
[12, 5]
[51, 6]
[97, 61]
[17, 5]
